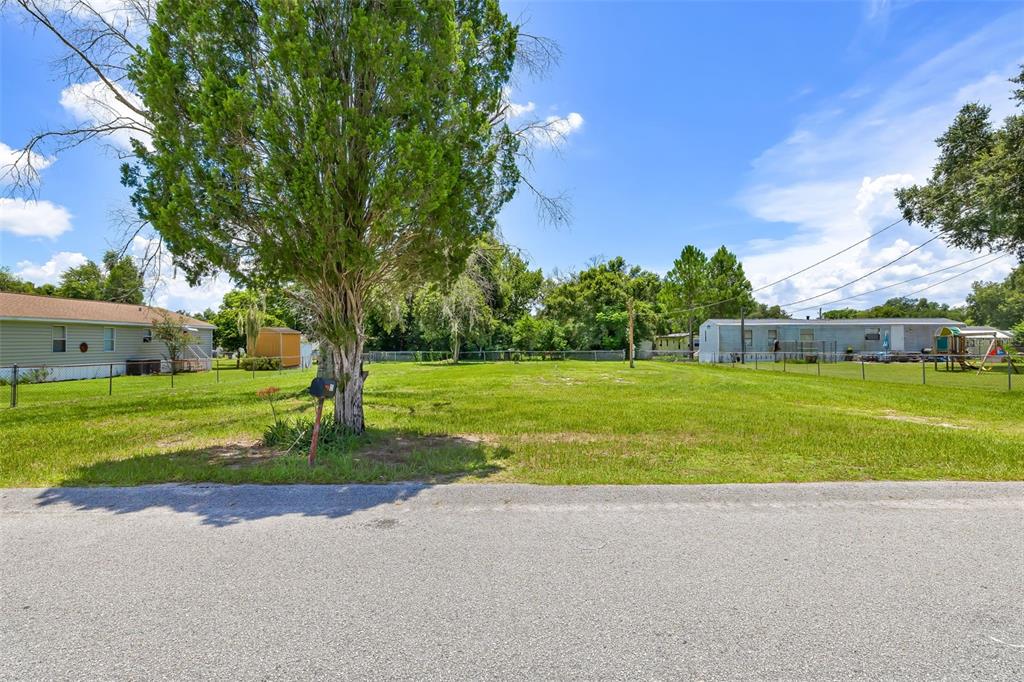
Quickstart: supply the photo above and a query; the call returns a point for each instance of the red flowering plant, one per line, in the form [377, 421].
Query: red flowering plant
[269, 393]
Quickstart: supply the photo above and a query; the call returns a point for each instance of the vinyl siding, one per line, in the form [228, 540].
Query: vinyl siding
[834, 337]
[28, 344]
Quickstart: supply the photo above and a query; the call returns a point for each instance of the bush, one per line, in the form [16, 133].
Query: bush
[260, 364]
[298, 434]
[1018, 335]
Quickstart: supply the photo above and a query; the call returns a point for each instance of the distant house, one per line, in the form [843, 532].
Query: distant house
[674, 341]
[45, 331]
[721, 340]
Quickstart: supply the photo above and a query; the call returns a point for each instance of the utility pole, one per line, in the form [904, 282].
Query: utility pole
[743, 337]
[629, 309]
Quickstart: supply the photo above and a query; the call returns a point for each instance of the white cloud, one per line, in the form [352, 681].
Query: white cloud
[50, 271]
[170, 290]
[15, 161]
[830, 182]
[554, 130]
[93, 103]
[547, 132]
[26, 218]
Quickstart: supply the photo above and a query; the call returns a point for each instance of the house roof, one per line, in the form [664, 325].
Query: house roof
[673, 335]
[280, 330]
[854, 322]
[985, 332]
[54, 309]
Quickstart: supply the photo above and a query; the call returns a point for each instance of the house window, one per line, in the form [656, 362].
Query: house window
[806, 335]
[147, 336]
[872, 334]
[59, 337]
[748, 337]
[108, 339]
[773, 335]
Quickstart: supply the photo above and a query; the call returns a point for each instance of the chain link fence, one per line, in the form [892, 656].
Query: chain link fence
[493, 355]
[1003, 372]
[36, 385]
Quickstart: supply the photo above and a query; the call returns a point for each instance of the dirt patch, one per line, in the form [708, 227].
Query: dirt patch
[926, 421]
[398, 449]
[241, 454]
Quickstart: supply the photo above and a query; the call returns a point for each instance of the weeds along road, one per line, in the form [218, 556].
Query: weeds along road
[810, 581]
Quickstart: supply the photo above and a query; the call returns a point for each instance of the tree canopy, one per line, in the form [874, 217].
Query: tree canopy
[348, 148]
[975, 196]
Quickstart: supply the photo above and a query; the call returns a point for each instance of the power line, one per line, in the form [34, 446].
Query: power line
[907, 281]
[931, 286]
[864, 276]
[825, 260]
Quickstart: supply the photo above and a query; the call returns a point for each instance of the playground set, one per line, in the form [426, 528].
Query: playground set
[952, 347]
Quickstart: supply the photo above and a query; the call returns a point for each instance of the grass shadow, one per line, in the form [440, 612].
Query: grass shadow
[233, 482]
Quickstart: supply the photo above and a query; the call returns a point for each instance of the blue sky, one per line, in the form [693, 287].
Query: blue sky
[776, 129]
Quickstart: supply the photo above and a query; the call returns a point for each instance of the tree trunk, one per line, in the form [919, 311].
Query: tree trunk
[455, 348]
[348, 400]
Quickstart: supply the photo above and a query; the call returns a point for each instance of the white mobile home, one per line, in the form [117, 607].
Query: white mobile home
[76, 339]
[722, 340]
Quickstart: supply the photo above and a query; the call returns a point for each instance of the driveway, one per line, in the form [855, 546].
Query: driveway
[807, 581]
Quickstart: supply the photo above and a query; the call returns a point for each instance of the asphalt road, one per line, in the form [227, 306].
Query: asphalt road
[832, 581]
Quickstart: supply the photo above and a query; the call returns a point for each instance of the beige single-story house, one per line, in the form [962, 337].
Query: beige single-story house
[673, 341]
[79, 339]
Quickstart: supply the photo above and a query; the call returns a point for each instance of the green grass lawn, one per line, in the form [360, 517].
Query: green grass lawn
[542, 422]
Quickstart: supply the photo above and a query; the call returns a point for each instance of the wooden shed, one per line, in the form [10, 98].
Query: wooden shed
[279, 342]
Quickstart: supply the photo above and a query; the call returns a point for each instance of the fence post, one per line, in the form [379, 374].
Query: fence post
[862, 375]
[172, 373]
[817, 361]
[14, 386]
[110, 384]
[217, 366]
[783, 361]
[923, 380]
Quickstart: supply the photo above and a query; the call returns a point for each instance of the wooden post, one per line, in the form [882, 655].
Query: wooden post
[110, 385]
[316, 431]
[629, 308]
[14, 386]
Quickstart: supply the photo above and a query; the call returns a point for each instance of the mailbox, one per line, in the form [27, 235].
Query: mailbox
[322, 388]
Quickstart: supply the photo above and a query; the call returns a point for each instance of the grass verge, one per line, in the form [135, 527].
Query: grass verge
[543, 422]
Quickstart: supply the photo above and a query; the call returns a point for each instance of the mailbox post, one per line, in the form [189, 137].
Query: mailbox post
[320, 389]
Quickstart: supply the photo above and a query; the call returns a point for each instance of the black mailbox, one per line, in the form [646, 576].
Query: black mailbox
[322, 388]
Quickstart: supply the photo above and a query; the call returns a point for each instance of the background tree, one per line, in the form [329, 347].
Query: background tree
[123, 281]
[250, 321]
[590, 307]
[459, 313]
[769, 312]
[999, 304]
[729, 290]
[975, 196]
[1018, 336]
[686, 287]
[900, 307]
[84, 281]
[12, 283]
[358, 158]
